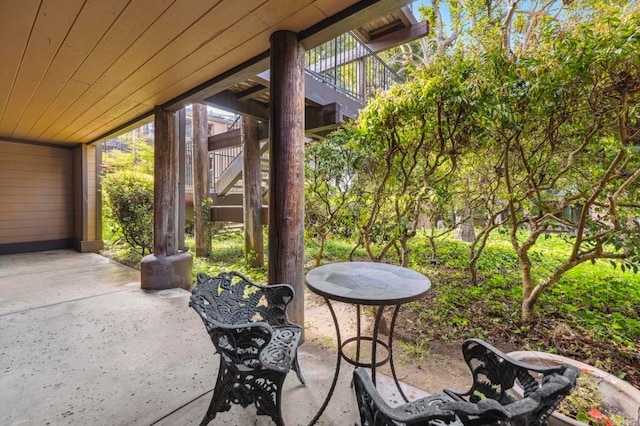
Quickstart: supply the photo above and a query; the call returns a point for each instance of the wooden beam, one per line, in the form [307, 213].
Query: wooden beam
[235, 214]
[237, 74]
[231, 138]
[351, 17]
[252, 182]
[228, 101]
[227, 200]
[322, 118]
[407, 16]
[252, 92]
[286, 177]
[318, 122]
[399, 37]
[228, 139]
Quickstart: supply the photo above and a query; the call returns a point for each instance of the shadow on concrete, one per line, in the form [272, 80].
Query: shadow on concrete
[82, 344]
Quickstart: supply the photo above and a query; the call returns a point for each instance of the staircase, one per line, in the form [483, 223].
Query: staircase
[340, 77]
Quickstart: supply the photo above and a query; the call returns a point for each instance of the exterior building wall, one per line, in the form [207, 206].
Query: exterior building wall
[36, 197]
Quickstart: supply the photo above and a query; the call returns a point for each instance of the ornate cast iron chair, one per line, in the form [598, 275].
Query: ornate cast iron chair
[494, 398]
[257, 343]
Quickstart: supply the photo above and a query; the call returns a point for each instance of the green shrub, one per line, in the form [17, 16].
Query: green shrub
[129, 195]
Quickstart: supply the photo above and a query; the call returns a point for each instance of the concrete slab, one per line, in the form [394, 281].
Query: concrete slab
[82, 344]
[31, 280]
[123, 358]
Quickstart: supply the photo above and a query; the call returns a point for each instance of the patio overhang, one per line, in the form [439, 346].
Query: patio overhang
[78, 72]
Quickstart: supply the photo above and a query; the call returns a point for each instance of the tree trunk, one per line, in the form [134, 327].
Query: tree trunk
[527, 288]
[201, 180]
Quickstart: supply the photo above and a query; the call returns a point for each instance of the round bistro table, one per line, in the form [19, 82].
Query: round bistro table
[368, 284]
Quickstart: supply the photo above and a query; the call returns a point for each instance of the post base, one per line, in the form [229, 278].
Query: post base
[163, 272]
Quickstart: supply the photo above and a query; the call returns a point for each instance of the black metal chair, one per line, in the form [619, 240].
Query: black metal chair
[257, 343]
[504, 392]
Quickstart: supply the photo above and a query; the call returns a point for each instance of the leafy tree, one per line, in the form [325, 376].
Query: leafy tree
[329, 202]
[409, 139]
[129, 195]
[136, 155]
[566, 125]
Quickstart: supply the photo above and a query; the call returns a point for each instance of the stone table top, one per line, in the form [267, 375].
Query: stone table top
[368, 283]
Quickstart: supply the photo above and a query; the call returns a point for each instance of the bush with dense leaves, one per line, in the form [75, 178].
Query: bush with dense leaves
[129, 195]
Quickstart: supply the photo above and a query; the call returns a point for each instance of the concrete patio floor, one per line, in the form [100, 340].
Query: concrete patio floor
[82, 344]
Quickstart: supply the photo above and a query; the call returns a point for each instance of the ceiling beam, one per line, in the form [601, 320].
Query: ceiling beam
[346, 20]
[252, 92]
[239, 73]
[351, 17]
[402, 36]
[145, 118]
[228, 100]
[318, 122]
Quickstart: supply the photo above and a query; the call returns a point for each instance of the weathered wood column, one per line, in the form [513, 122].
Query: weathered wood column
[286, 168]
[201, 179]
[252, 180]
[165, 268]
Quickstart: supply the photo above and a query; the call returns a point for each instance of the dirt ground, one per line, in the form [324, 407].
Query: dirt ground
[430, 367]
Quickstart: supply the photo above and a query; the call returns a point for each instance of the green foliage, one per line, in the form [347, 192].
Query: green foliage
[510, 136]
[330, 202]
[407, 141]
[129, 195]
[227, 254]
[584, 404]
[591, 314]
[137, 155]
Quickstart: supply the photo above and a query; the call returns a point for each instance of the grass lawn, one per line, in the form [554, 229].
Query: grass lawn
[592, 315]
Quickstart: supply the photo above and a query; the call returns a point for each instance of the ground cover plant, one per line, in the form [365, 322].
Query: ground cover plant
[592, 315]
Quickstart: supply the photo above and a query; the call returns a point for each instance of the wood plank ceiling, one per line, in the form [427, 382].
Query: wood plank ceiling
[73, 70]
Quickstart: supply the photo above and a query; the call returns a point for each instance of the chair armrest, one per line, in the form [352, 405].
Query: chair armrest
[495, 373]
[539, 404]
[278, 296]
[374, 410]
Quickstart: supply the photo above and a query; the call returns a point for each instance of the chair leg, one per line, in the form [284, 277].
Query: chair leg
[298, 370]
[268, 394]
[219, 400]
[276, 416]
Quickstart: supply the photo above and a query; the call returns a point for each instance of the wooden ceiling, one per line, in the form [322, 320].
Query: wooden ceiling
[74, 70]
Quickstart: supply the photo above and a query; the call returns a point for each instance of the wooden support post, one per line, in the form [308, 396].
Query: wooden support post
[165, 183]
[286, 168]
[165, 268]
[361, 76]
[252, 180]
[182, 162]
[201, 179]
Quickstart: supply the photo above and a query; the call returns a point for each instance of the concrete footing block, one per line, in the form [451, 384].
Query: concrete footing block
[163, 272]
